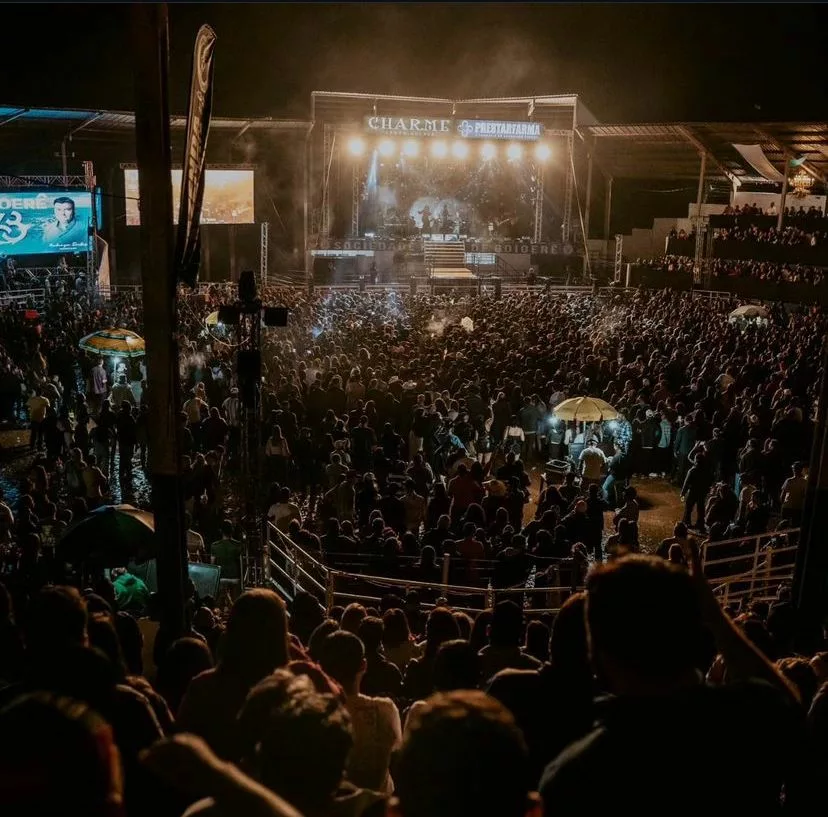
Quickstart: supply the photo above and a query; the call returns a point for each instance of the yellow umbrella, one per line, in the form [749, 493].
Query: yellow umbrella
[212, 319]
[113, 343]
[585, 409]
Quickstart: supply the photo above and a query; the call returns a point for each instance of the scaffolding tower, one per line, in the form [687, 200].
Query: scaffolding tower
[618, 267]
[569, 185]
[538, 231]
[264, 249]
[89, 182]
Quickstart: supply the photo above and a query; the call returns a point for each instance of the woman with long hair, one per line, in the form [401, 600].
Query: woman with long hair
[255, 644]
[397, 640]
[419, 676]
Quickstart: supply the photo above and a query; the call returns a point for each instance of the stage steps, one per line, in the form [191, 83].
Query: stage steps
[446, 258]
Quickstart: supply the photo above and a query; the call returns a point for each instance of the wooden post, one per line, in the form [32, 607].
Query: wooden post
[152, 137]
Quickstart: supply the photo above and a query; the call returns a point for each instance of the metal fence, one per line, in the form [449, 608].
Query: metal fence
[751, 568]
[293, 569]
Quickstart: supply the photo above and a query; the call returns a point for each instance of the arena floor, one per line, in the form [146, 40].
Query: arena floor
[660, 504]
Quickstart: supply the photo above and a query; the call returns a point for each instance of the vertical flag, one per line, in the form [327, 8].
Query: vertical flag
[188, 239]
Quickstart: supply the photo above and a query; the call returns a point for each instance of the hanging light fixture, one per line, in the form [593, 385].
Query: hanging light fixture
[802, 183]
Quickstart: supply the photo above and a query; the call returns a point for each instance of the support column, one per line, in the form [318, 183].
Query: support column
[231, 246]
[205, 251]
[537, 236]
[264, 251]
[700, 192]
[699, 250]
[356, 178]
[607, 214]
[586, 211]
[306, 203]
[327, 161]
[588, 201]
[784, 198]
[810, 584]
[569, 184]
[64, 163]
[152, 142]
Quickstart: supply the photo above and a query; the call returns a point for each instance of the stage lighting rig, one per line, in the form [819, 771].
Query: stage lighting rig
[488, 151]
[410, 148]
[439, 149]
[387, 148]
[356, 146]
[514, 152]
[542, 152]
[460, 149]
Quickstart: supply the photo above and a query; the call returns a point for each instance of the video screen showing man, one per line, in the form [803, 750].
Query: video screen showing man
[64, 228]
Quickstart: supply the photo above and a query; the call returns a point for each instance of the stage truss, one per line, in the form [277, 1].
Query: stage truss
[337, 117]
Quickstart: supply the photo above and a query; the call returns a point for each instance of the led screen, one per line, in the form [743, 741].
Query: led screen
[228, 197]
[44, 223]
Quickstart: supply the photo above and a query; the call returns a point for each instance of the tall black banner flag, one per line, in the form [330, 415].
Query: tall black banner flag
[188, 241]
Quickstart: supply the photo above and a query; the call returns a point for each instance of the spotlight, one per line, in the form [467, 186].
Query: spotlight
[439, 149]
[460, 149]
[410, 148]
[543, 152]
[356, 146]
[514, 152]
[488, 151]
[386, 147]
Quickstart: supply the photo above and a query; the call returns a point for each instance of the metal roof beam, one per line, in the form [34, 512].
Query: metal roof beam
[85, 123]
[693, 139]
[21, 112]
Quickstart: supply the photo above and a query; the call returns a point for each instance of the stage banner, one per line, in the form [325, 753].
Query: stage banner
[188, 243]
[517, 247]
[400, 245]
[44, 223]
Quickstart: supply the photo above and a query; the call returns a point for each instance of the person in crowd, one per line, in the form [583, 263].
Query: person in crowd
[255, 644]
[505, 637]
[463, 754]
[376, 721]
[440, 626]
[650, 663]
[792, 495]
[382, 678]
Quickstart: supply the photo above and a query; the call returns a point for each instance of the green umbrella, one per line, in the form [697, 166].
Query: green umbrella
[110, 536]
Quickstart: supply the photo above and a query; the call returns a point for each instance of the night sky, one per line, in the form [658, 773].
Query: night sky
[629, 63]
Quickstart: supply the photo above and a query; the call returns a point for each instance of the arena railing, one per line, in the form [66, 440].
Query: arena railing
[751, 567]
[293, 569]
[22, 297]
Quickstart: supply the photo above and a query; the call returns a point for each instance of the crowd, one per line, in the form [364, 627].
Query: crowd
[788, 236]
[397, 429]
[769, 271]
[792, 212]
[389, 428]
[395, 708]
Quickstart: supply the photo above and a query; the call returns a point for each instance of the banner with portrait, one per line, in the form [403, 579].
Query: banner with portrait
[44, 223]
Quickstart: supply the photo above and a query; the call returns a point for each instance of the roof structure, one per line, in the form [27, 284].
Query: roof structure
[95, 124]
[665, 151]
[557, 112]
[673, 151]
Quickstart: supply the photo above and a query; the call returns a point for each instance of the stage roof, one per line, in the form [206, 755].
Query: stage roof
[556, 112]
[672, 151]
[96, 124]
[662, 151]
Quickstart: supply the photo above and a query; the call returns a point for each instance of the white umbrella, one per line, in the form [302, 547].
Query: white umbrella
[748, 312]
[585, 409]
